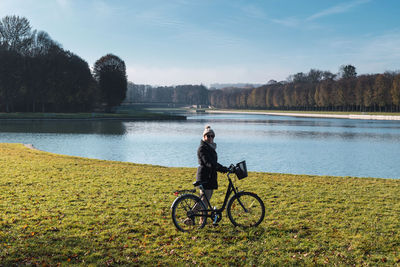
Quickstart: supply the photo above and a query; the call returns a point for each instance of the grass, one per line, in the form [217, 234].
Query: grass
[62, 210]
[134, 115]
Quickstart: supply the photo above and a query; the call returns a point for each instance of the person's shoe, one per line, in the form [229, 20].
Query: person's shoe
[188, 221]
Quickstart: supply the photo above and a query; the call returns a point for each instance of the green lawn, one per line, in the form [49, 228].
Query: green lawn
[57, 209]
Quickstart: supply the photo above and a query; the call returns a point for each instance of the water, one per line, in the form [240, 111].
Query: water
[279, 144]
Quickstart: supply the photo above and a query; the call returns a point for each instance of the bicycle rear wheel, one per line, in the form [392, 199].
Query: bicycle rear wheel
[188, 213]
[246, 209]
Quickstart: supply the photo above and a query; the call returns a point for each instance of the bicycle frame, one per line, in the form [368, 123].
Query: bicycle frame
[231, 188]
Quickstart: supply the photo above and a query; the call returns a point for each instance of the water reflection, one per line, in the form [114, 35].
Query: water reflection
[305, 122]
[329, 135]
[65, 127]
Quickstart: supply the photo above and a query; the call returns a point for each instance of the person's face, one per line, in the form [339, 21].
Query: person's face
[209, 138]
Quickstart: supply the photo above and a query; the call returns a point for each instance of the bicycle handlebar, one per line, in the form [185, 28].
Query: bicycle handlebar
[231, 169]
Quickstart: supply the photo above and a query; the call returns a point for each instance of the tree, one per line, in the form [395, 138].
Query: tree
[287, 95]
[348, 71]
[11, 66]
[323, 94]
[298, 77]
[368, 93]
[41, 43]
[395, 91]
[382, 88]
[361, 96]
[327, 75]
[110, 73]
[15, 34]
[314, 76]
[37, 68]
[337, 95]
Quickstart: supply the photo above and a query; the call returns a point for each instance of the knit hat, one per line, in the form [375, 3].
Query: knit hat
[208, 130]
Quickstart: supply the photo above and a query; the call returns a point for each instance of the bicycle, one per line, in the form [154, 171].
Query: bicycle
[244, 209]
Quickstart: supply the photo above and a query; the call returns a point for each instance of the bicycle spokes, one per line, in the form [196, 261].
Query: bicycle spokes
[246, 209]
[188, 213]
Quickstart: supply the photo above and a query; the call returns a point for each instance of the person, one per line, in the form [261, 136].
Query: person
[208, 166]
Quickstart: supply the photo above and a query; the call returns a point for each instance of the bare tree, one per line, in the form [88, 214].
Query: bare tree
[15, 34]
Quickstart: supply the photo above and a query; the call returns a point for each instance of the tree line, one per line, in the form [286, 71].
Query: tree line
[319, 91]
[315, 91]
[181, 94]
[37, 74]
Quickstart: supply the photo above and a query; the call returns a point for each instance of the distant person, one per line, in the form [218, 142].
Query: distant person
[208, 165]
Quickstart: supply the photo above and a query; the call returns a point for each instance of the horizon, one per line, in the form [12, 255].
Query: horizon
[226, 42]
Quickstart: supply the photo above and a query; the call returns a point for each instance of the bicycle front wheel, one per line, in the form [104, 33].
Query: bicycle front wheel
[246, 209]
[188, 213]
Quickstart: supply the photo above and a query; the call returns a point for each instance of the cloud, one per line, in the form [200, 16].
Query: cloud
[294, 22]
[341, 8]
[288, 22]
[155, 18]
[253, 12]
[162, 15]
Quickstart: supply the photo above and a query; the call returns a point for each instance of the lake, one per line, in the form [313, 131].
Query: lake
[339, 147]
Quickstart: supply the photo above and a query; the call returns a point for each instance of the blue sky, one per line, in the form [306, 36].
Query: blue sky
[170, 42]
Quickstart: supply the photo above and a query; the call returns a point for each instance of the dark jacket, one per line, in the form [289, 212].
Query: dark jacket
[208, 161]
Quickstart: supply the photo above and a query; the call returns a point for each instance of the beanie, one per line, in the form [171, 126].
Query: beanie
[208, 130]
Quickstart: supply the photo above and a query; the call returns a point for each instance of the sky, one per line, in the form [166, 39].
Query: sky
[174, 42]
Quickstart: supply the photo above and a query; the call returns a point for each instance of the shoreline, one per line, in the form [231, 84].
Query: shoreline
[31, 146]
[314, 115]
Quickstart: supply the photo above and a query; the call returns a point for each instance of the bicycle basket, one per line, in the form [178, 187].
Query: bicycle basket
[241, 170]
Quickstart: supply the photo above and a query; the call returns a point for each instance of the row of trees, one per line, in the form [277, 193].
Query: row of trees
[318, 90]
[315, 90]
[37, 74]
[181, 94]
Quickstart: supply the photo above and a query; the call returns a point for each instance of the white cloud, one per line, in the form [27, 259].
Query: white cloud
[341, 8]
[288, 22]
[159, 16]
[294, 22]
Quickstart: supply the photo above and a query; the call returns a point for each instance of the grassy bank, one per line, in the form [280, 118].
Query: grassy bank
[69, 210]
[136, 115]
